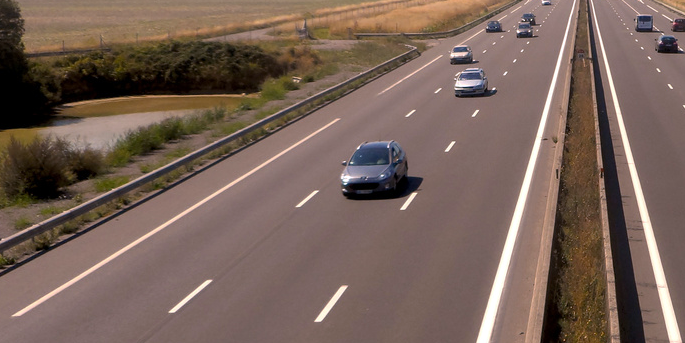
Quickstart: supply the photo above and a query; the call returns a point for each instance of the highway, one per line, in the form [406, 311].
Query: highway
[262, 247]
[644, 95]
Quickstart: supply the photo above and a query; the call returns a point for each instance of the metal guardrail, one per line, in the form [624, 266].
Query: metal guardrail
[442, 34]
[64, 217]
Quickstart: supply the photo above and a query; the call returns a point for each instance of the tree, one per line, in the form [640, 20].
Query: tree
[20, 97]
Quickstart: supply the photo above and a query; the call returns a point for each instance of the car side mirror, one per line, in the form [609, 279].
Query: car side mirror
[344, 163]
[455, 79]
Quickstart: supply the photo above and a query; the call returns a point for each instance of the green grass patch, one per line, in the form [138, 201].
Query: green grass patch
[50, 211]
[22, 223]
[107, 184]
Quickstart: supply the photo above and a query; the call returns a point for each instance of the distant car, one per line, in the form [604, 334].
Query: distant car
[546, 2]
[666, 44]
[461, 54]
[528, 17]
[374, 167]
[493, 26]
[524, 30]
[471, 81]
[678, 25]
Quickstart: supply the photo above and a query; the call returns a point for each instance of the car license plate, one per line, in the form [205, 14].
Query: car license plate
[366, 191]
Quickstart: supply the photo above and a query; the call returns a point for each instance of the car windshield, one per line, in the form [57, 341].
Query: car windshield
[460, 49]
[370, 157]
[680, 21]
[493, 23]
[644, 18]
[527, 15]
[469, 76]
[524, 26]
[668, 40]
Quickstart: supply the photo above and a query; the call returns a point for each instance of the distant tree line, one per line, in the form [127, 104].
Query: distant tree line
[29, 90]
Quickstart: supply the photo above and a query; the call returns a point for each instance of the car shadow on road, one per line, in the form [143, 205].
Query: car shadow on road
[408, 186]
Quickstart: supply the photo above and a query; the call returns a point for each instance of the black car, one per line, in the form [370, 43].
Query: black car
[666, 44]
[528, 17]
[374, 167]
[493, 26]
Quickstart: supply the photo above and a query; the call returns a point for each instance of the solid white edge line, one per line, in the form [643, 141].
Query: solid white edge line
[166, 224]
[410, 75]
[658, 269]
[408, 202]
[410, 113]
[488, 325]
[307, 199]
[190, 296]
[449, 147]
[330, 304]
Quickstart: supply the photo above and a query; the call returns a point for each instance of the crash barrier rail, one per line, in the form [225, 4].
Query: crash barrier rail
[64, 217]
[443, 34]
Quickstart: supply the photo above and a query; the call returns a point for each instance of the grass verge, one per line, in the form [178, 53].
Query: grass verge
[578, 310]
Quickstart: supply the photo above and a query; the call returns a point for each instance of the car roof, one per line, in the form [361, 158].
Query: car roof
[667, 37]
[378, 144]
[472, 70]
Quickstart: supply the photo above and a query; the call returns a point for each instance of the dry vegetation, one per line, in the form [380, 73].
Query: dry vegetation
[679, 4]
[72, 24]
[578, 312]
[432, 17]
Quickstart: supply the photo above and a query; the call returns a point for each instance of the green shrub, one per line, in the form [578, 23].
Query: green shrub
[39, 168]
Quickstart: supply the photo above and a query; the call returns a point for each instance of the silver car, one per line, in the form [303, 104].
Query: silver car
[461, 54]
[471, 81]
[374, 167]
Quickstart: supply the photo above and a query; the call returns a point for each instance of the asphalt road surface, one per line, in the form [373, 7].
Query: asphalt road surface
[644, 94]
[263, 247]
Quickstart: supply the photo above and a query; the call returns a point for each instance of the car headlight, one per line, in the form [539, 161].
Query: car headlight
[345, 178]
[384, 175]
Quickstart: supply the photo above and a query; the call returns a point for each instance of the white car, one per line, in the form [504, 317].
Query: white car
[461, 54]
[471, 81]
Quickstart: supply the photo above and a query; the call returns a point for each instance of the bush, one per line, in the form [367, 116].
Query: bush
[38, 168]
[41, 168]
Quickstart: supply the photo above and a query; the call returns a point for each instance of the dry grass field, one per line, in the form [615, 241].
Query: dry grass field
[436, 16]
[51, 24]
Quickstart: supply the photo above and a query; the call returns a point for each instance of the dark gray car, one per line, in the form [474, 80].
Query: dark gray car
[524, 30]
[374, 167]
[528, 17]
